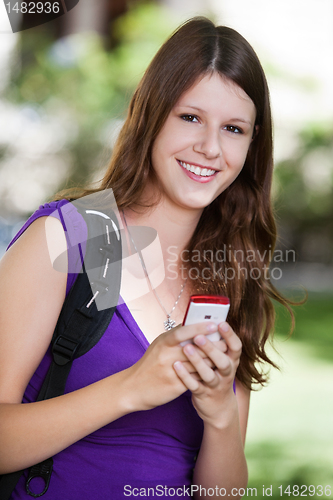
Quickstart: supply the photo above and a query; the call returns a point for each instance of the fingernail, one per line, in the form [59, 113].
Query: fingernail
[211, 327]
[224, 327]
[200, 340]
[177, 365]
[189, 349]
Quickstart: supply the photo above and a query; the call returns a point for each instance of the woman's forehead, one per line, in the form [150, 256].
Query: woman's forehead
[211, 89]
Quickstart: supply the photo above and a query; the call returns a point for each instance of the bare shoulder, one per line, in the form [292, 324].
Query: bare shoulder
[31, 296]
[243, 400]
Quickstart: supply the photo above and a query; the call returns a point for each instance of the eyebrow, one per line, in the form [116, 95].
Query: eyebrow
[242, 120]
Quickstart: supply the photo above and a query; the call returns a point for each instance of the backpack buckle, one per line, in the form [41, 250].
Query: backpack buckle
[42, 470]
[64, 349]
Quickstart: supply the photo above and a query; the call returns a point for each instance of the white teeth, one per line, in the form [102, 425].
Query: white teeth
[204, 172]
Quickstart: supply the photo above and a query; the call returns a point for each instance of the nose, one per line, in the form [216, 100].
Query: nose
[209, 143]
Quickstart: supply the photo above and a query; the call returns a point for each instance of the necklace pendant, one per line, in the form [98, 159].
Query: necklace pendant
[169, 323]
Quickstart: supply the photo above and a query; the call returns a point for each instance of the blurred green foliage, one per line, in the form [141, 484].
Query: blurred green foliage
[274, 464]
[76, 75]
[80, 73]
[313, 324]
[305, 181]
[304, 194]
[91, 86]
[296, 453]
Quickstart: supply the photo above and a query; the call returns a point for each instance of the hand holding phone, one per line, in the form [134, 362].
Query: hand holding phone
[202, 308]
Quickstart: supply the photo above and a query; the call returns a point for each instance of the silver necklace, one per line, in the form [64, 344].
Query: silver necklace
[168, 323]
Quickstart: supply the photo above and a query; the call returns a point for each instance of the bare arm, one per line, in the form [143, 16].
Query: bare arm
[221, 461]
[31, 297]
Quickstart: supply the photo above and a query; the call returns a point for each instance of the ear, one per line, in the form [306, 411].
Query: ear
[255, 132]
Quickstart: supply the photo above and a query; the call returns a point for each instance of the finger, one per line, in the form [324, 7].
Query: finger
[190, 368]
[180, 334]
[181, 356]
[196, 376]
[188, 380]
[220, 345]
[221, 360]
[205, 372]
[231, 339]
[202, 354]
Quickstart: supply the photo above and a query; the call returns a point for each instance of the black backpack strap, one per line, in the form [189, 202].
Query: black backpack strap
[81, 323]
[85, 315]
[8, 483]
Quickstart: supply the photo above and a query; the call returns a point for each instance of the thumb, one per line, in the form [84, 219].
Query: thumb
[181, 333]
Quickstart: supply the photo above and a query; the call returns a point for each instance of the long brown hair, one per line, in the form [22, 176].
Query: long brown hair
[239, 225]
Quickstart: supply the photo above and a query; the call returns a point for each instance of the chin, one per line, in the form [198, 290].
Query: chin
[197, 204]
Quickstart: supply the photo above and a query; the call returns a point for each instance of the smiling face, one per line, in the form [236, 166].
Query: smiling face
[203, 144]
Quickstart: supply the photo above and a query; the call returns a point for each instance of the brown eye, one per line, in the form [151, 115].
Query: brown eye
[189, 118]
[233, 129]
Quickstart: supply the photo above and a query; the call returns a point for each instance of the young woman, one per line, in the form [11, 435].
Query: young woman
[194, 162]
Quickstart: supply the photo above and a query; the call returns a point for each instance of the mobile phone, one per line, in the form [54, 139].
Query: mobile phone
[206, 308]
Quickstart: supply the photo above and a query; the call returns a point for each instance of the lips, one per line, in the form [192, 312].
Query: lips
[195, 169]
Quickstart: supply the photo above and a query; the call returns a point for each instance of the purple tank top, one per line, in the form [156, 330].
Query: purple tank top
[153, 449]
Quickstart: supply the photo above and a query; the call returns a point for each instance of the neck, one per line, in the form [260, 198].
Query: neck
[174, 225]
